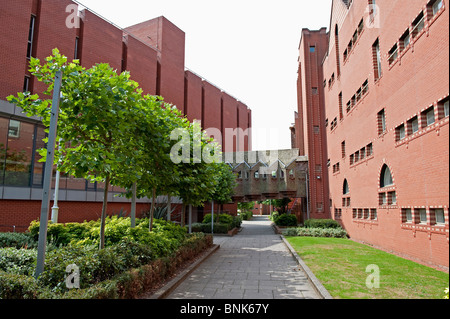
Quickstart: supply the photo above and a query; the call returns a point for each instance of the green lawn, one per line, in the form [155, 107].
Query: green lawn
[340, 264]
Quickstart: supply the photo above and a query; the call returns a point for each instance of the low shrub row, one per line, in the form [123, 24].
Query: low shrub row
[321, 223]
[131, 255]
[315, 232]
[222, 223]
[284, 219]
[246, 215]
[124, 270]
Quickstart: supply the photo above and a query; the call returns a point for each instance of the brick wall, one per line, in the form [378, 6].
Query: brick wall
[414, 81]
[15, 17]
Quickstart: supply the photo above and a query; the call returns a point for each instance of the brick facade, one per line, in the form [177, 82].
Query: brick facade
[154, 54]
[386, 82]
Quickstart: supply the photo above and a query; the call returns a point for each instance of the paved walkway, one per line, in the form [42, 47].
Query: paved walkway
[254, 264]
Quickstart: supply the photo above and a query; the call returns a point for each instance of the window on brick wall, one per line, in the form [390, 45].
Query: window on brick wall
[418, 25]
[433, 7]
[404, 40]
[362, 153]
[341, 111]
[385, 177]
[438, 216]
[376, 57]
[31, 36]
[373, 214]
[369, 150]
[422, 212]
[427, 117]
[343, 149]
[75, 54]
[381, 121]
[400, 133]
[406, 215]
[393, 54]
[345, 188]
[312, 49]
[26, 84]
[413, 125]
[443, 108]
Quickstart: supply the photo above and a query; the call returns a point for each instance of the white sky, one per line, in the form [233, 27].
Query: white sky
[248, 48]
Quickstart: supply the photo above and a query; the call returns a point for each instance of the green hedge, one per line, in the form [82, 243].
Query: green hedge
[219, 228]
[286, 220]
[17, 240]
[125, 270]
[322, 223]
[316, 232]
[103, 273]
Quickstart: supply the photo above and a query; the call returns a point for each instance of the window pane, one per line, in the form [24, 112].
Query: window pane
[19, 155]
[430, 117]
[423, 215]
[408, 215]
[439, 214]
[446, 108]
[38, 167]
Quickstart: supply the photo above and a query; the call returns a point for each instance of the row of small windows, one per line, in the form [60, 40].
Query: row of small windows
[273, 174]
[356, 157]
[433, 8]
[435, 216]
[427, 118]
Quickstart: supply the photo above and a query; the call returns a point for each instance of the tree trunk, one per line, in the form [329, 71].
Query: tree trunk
[103, 218]
[152, 210]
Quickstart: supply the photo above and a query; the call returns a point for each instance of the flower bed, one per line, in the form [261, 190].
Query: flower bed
[133, 261]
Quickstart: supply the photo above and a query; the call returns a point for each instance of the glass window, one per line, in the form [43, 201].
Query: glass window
[14, 128]
[312, 49]
[439, 216]
[345, 188]
[38, 167]
[446, 108]
[437, 5]
[430, 116]
[19, 155]
[413, 125]
[274, 173]
[256, 174]
[386, 177]
[408, 215]
[423, 215]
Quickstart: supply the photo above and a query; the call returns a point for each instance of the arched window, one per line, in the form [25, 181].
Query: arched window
[345, 189]
[385, 176]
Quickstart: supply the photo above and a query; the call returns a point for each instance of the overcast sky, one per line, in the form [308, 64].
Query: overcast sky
[248, 48]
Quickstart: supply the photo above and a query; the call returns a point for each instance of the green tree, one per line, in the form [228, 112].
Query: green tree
[225, 184]
[99, 113]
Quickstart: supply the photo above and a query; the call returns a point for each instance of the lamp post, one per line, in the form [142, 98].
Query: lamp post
[48, 174]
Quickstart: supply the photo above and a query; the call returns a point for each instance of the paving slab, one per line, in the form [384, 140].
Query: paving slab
[254, 264]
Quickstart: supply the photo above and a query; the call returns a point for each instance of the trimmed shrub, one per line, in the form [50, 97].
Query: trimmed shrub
[322, 223]
[316, 232]
[14, 286]
[223, 219]
[18, 261]
[286, 220]
[17, 240]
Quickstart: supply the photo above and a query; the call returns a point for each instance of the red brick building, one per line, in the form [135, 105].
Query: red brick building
[152, 51]
[384, 80]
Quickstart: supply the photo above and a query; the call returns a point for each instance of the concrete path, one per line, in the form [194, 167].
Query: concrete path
[254, 264]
